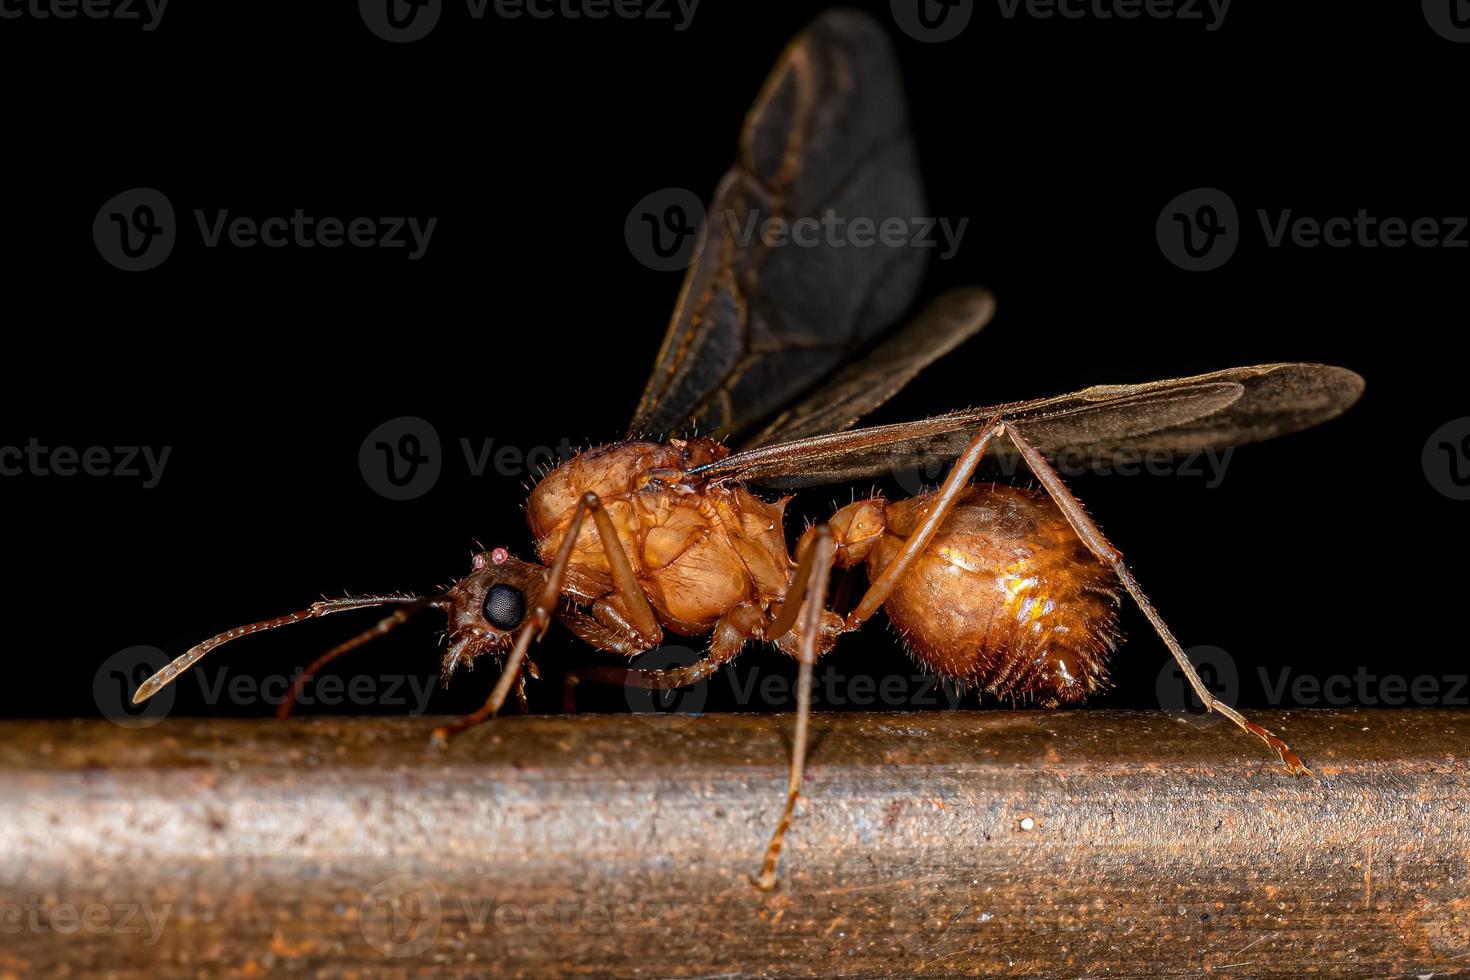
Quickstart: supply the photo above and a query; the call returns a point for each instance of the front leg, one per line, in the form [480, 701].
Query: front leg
[640, 615]
[606, 628]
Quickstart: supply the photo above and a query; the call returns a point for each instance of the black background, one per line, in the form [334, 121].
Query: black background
[529, 321]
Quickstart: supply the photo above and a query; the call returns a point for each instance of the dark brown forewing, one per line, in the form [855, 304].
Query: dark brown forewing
[1091, 427]
[757, 324]
[869, 382]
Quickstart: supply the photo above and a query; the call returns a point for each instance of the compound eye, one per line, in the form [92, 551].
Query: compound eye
[504, 606]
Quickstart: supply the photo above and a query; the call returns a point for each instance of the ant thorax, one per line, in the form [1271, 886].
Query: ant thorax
[697, 549]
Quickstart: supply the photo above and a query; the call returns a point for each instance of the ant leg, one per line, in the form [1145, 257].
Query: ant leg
[640, 613]
[818, 558]
[806, 560]
[944, 503]
[740, 624]
[601, 635]
[1103, 549]
[521, 701]
[604, 630]
[385, 625]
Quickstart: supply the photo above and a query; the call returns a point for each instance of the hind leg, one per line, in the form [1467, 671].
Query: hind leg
[1103, 549]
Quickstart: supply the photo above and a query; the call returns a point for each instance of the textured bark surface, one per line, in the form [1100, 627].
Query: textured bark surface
[996, 843]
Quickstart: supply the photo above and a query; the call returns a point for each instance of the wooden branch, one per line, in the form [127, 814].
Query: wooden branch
[1019, 843]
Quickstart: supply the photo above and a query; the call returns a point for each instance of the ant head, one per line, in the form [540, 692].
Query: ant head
[485, 610]
[488, 606]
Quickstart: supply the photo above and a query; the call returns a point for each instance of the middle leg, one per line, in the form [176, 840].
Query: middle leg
[731, 632]
[814, 571]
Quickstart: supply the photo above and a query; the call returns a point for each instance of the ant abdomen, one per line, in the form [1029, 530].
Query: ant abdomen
[1006, 597]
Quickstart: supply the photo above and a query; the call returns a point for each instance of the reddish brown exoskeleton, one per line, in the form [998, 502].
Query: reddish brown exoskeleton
[1012, 591]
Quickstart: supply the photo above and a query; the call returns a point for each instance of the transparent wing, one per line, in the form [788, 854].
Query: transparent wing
[761, 320]
[1092, 427]
[863, 385]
